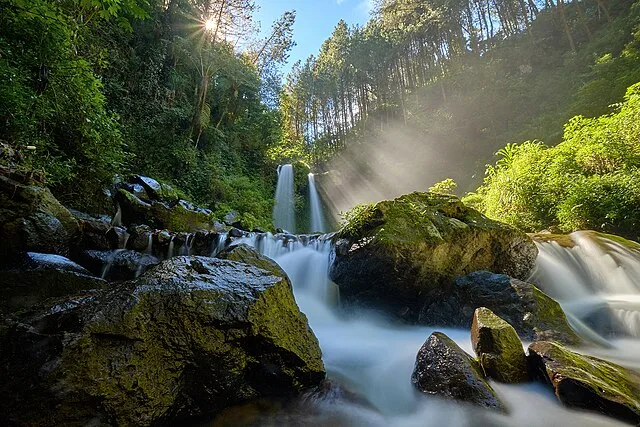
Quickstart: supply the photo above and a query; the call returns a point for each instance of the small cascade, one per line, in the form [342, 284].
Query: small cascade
[317, 218]
[596, 279]
[117, 218]
[219, 243]
[185, 248]
[284, 208]
[170, 249]
[149, 248]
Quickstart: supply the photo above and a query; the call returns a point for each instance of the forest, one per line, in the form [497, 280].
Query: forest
[433, 220]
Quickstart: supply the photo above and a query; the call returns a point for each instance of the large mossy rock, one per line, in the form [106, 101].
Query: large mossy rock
[399, 253]
[498, 348]
[248, 255]
[534, 315]
[35, 277]
[443, 369]
[587, 382]
[31, 219]
[194, 335]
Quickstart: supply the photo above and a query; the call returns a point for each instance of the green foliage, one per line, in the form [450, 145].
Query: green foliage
[51, 98]
[357, 219]
[588, 181]
[446, 186]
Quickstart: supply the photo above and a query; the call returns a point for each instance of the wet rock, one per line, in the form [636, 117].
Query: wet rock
[172, 216]
[156, 190]
[534, 315]
[587, 382]
[498, 348]
[398, 254]
[191, 337]
[140, 238]
[117, 237]
[443, 369]
[234, 232]
[31, 219]
[36, 277]
[121, 264]
[246, 254]
[204, 243]
[93, 230]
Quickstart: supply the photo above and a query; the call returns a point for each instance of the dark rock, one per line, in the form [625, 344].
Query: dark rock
[155, 190]
[117, 237]
[191, 337]
[533, 314]
[140, 239]
[498, 348]
[587, 382]
[36, 277]
[247, 255]
[93, 230]
[443, 369]
[171, 216]
[121, 264]
[31, 219]
[402, 253]
[234, 232]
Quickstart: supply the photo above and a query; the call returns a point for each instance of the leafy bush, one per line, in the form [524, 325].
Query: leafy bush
[589, 180]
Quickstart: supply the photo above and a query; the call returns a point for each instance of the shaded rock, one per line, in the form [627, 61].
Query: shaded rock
[121, 264]
[93, 230]
[443, 369]
[398, 254]
[498, 348]
[246, 254]
[118, 237]
[140, 238]
[534, 315]
[587, 382]
[156, 190]
[192, 336]
[31, 219]
[36, 277]
[175, 216]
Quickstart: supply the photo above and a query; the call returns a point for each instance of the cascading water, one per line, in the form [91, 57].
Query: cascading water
[374, 357]
[596, 279]
[284, 208]
[317, 219]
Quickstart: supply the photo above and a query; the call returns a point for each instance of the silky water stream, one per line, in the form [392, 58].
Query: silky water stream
[595, 279]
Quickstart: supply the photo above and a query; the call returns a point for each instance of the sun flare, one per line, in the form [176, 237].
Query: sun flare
[209, 24]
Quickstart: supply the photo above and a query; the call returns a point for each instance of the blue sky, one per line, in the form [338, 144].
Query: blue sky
[315, 20]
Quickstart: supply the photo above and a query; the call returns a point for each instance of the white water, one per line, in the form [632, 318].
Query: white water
[375, 358]
[284, 208]
[317, 218]
[596, 277]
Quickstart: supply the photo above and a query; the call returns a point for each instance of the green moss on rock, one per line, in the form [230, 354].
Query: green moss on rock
[587, 382]
[411, 248]
[193, 335]
[498, 347]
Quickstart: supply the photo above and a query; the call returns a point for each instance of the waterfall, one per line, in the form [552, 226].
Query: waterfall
[317, 220]
[284, 208]
[595, 279]
[374, 356]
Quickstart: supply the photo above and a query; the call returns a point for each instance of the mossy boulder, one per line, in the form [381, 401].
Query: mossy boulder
[31, 219]
[193, 336]
[175, 216]
[445, 370]
[246, 254]
[498, 348]
[534, 315]
[36, 277]
[153, 189]
[587, 382]
[398, 254]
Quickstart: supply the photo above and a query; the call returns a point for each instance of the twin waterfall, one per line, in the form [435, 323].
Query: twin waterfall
[284, 210]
